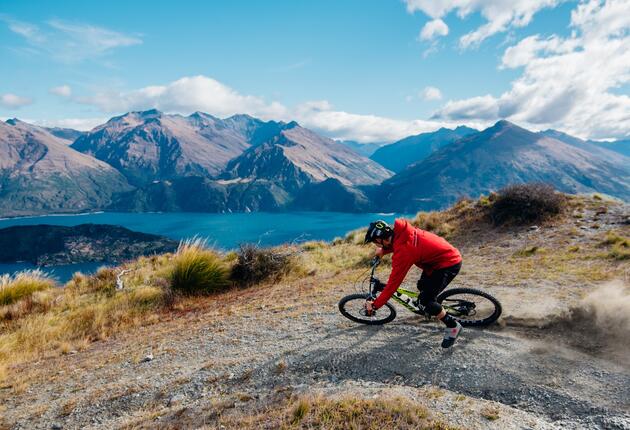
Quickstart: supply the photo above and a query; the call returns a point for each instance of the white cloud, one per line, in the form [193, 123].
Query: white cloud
[431, 93]
[61, 91]
[82, 41]
[81, 124]
[29, 31]
[70, 42]
[187, 95]
[500, 15]
[321, 117]
[202, 93]
[434, 28]
[13, 101]
[568, 83]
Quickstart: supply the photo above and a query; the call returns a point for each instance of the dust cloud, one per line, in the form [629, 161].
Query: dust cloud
[599, 324]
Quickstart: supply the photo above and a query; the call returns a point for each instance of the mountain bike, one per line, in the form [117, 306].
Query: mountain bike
[469, 306]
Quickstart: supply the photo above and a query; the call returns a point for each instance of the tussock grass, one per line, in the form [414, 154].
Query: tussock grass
[342, 256]
[464, 216]
[309, 412]
[435, 222]
[619, 246]
[491, 413]
[354, 237]
[528, 251]
[23, 285]
[197, 269]
[89, 308]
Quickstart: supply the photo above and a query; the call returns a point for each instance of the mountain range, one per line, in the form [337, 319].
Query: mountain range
[401, 154]
[39, 173]
[500, 155]
[152, 161]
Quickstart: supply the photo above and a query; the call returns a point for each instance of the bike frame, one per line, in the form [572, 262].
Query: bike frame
[406, 298]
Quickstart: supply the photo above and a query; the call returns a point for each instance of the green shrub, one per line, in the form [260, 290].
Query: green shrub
[255, 264]
[526, 203]
[22, 285]
[197, 269]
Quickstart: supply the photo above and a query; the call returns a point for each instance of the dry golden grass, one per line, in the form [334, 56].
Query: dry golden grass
[619, 245]
[42, 320]
[197, 269]
[491, 413]
[89, 308]
[308, 412]
[464, 215]
[22, 285]
[59, 320]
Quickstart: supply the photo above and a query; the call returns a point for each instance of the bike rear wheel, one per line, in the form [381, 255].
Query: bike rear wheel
[471, 307]
[353, 308]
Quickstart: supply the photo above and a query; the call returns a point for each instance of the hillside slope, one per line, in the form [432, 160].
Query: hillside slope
[298, 155]
[500, 155]
[39, 173]
[250, 358]
[148, 146]
[413, 149]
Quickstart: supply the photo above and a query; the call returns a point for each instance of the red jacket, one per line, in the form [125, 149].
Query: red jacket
[415, 246]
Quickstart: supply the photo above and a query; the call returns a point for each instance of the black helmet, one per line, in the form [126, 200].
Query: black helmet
[378, 230]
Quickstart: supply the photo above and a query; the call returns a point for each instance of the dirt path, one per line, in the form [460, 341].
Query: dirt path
[200, 359]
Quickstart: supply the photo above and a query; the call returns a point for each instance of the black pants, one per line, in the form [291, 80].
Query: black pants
[432, 285]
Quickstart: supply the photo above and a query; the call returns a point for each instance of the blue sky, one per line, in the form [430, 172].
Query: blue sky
[367, 70]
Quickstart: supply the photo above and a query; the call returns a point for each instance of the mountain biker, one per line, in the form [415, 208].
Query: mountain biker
[439, 260]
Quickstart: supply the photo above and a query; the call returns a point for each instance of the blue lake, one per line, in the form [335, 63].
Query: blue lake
[223, 231]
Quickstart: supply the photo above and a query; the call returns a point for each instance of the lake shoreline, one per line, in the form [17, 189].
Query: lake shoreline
[223, 232]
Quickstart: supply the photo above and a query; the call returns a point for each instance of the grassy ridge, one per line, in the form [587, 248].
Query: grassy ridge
[37, 320]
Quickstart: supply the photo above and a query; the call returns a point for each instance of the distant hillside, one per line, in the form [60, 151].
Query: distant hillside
[297, 156]
[365, 149]
[620, 146]
[54, 245]
[500, 155]
[197, 194]
[150, 161]
[331, 195]
[281, 160]
[40, 173]
[398, 155]
[152, 146]
[67, 134]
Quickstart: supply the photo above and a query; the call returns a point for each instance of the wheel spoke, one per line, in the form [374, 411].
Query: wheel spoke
[469, 307]
[353, 307]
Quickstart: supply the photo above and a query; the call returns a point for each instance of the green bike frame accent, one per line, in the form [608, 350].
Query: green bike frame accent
[406, 298]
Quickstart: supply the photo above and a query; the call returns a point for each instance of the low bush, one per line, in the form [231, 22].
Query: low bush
[23, 285]
[255, 264]
[38, 302]
[620, 246]
[526, 203]
[197, 269]
[103, 281]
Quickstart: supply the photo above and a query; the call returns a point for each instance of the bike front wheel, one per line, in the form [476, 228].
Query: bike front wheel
[353, 308]
[471, 307]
